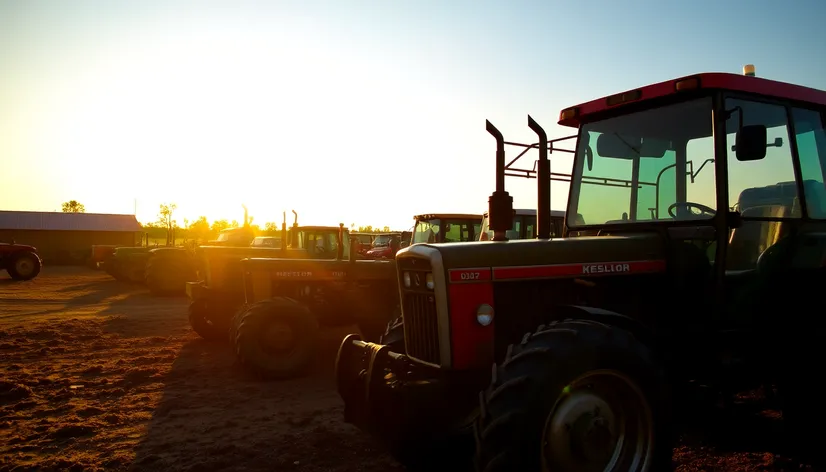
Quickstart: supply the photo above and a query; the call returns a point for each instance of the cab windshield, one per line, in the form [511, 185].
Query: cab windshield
[228, 235]
[381, 240]
[443, 230]
[650, 165]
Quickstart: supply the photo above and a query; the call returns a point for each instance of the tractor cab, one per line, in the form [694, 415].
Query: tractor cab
[241, 236]
[727, 169]
[321, 242]
[446, 228]
[524, 225]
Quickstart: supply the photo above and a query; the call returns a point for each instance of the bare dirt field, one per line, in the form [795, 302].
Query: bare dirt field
[99, 375]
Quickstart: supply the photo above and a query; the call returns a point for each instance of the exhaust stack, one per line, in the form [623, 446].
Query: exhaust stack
[543, 185]
[500, 203]
[284, 232]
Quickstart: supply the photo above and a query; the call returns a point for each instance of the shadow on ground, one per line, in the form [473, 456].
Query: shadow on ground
[213, 415]
[747, 434]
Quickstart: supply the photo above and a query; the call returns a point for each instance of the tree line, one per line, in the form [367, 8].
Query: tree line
[200, 229]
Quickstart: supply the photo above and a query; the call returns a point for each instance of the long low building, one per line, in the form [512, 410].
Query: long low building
[67, 238]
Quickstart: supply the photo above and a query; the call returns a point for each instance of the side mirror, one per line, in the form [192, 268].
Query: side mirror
[750, 143]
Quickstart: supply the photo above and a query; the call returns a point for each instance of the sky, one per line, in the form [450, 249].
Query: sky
[355, 112]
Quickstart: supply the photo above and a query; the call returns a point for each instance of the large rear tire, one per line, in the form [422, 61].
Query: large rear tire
[276, 338]
[24, 266]
[575, 396]
[167, 272]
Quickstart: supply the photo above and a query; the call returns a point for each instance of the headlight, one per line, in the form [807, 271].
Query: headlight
[406, 277]
[484, 314]
[428, 281]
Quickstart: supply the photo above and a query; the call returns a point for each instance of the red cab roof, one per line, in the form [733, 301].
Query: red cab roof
[572, 116]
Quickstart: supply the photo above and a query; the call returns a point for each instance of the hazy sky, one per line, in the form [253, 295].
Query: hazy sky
[361, 112]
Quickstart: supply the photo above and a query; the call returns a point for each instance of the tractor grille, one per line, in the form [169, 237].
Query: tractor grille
[421, 324]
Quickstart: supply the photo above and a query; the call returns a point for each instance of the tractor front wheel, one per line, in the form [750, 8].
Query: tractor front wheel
[575, 396]
[276, 339]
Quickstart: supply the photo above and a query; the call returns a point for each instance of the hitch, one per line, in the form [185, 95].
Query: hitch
[500, 203]
[543, 186]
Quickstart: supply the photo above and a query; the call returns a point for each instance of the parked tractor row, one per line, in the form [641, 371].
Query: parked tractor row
[689, 258]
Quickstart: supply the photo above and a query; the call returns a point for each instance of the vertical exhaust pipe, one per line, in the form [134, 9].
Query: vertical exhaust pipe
[543, 185]
[294, 230]
[340, 248]
[500, 203]
[284, 233]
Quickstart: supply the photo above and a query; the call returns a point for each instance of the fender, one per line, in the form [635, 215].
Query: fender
[640, 331]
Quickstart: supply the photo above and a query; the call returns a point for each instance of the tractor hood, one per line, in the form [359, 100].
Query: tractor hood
[6, 247]
[586, 253]
[319, 269]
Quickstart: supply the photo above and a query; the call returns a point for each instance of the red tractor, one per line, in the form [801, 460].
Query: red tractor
[20, 261]
[698, 260]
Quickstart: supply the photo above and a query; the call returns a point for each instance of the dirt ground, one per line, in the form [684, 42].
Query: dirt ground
[99, 375]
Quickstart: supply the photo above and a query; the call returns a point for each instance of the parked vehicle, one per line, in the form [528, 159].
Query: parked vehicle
[384, 246]
[20, 261]
[446, 228]
[705, 199]
[524, 225]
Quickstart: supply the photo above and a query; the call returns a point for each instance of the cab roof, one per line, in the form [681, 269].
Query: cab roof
[704, 81]
[448, 216]
[532, 212]
[319, 228]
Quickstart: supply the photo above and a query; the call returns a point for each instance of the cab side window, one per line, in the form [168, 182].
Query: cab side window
[765, 187]
[811, 149]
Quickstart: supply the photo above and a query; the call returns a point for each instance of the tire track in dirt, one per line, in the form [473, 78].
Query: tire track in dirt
[110, 378]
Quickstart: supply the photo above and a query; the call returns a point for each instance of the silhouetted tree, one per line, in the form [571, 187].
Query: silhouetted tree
[199, 229]
[165, 219]
[219, 225]
[73, 206]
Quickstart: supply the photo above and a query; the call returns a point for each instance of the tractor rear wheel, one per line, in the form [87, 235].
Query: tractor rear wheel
[24, 266]
[576, 395]
[167, 272]
[276, 338]
[207, 323]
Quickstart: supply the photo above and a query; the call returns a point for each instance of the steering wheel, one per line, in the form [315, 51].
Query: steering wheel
[320, 249]
[704, 210]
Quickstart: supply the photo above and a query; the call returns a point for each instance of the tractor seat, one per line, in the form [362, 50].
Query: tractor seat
[753, 238]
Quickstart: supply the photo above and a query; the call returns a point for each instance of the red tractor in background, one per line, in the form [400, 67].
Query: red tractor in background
[20, 261]
[697, 264]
